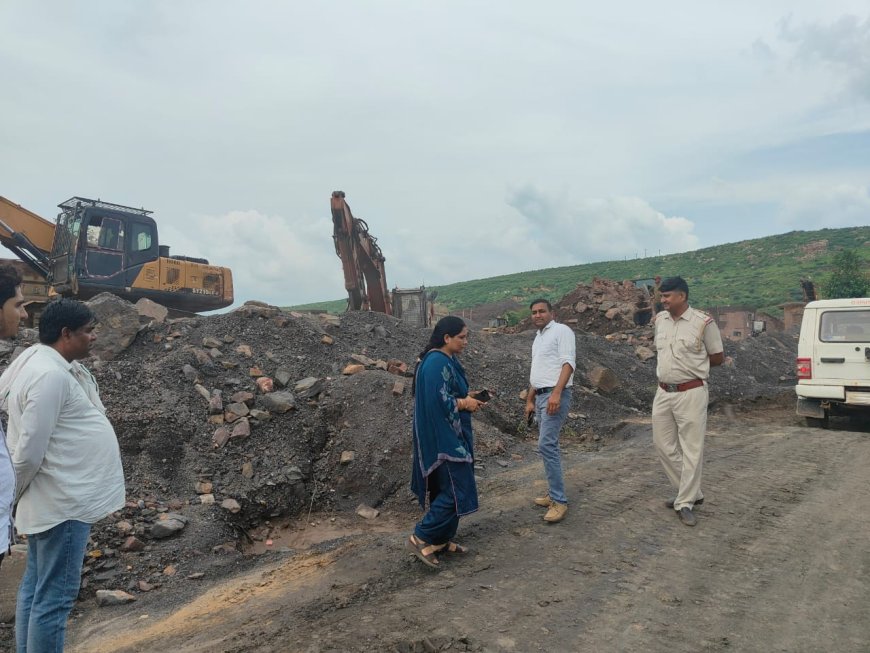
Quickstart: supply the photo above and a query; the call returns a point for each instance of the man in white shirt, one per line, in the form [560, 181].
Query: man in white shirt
[554, 360]
[11, 313]
[68, 467]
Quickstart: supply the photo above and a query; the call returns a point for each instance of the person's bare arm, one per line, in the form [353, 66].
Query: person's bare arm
[555, 399]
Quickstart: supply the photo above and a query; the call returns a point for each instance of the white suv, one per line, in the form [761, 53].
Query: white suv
[833, 365]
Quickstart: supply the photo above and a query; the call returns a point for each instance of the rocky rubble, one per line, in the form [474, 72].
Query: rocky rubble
[603, 307]
[230, 421]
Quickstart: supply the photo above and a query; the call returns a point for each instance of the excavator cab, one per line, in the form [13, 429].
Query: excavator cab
[97, 246]
[103, 247]
[100, 246]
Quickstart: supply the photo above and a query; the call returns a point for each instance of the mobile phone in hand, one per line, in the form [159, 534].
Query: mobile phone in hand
[482, 395]
[531, 420]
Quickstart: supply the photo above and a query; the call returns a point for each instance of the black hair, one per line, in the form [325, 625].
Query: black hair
[10, 279]
[675, 283]
[60, 314]
[447, 326]
[542, 301]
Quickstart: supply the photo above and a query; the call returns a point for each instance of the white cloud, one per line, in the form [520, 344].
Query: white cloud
[842, 46]
[816, 205]
[597, 229]
[423, 113]
[275, 259]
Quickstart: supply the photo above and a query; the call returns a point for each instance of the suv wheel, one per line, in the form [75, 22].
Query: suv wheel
[818, 422]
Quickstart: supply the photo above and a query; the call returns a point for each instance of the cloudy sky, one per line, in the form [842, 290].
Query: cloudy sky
[475, 138]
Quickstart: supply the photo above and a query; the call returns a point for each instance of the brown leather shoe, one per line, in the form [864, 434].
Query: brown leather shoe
[556, 513]
[544, 501]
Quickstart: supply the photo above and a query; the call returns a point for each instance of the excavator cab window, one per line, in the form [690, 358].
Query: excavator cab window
[141, 237]
[105, 233]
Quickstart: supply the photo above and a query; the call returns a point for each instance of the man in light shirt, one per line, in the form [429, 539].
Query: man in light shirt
[11, 313]
[68, 467]
[549, 397]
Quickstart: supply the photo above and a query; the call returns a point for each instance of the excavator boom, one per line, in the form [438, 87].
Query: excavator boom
[26, 234]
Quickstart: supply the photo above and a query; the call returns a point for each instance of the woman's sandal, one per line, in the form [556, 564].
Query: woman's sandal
[423, 550]
[456, 549]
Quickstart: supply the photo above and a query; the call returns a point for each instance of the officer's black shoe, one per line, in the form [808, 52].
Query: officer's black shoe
[670, 502]
[688, 517]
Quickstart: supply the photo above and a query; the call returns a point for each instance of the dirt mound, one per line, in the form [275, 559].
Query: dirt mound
[603, 307]
[319, 439]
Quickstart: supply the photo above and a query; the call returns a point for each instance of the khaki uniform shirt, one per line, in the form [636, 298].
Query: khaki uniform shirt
[684, 345]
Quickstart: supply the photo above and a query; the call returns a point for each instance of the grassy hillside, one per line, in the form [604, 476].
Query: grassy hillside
[760, 273]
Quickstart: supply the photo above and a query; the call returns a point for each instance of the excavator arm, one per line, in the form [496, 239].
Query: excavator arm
[365, 277]
[27, 235]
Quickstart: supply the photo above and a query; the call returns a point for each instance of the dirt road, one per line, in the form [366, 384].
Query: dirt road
[778, 562]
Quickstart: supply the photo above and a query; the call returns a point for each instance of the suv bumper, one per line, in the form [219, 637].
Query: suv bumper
[836, 392]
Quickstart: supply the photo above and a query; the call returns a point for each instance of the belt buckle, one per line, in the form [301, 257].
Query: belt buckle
[671, 387]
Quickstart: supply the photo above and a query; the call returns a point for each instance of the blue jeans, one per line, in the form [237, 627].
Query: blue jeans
[549, 427]
[50, 586]
[441, 522]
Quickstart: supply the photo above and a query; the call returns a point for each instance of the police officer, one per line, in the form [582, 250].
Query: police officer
[688, 344]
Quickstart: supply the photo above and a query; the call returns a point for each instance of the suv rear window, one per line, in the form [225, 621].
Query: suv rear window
[845, 326]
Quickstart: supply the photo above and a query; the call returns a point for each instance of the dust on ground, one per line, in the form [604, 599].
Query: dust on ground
[769, 567]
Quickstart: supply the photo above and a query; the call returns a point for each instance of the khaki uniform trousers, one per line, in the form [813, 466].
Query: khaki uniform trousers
[679, 421]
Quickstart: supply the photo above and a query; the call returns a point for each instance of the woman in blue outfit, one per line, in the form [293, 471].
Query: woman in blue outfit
[443, 467]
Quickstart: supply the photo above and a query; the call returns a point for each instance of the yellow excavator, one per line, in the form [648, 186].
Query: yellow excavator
[97, 246]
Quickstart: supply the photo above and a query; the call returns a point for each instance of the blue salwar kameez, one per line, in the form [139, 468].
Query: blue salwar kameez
[443, 460]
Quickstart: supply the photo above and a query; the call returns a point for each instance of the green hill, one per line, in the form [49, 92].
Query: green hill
[760, 273]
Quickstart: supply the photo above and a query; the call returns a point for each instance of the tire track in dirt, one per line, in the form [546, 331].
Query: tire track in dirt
[777, 562]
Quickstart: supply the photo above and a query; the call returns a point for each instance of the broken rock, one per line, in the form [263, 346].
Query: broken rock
[279, 402]
[353, 369]
[363, 360]
[117, 324]
[366, 512]
[231, 505]
[203, 487]
[644, 353]
[132, 543]
[265, 384]
[243, 397]
[347, 457]
[216, 403]
[283, 377]
[151, 311]
[113, 597]
[220, 437]
[241, 430]
[603, 378]
[166, 528]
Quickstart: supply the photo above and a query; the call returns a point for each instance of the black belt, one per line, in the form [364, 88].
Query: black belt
[543, 391]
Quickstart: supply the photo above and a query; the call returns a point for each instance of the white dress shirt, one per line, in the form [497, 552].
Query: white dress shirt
[554, 346]
[7, 494]
[64, 450]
